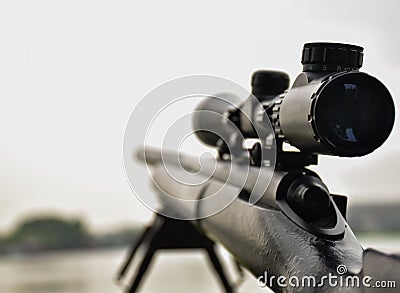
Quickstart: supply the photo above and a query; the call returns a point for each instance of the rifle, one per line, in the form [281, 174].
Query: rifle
[263, 203]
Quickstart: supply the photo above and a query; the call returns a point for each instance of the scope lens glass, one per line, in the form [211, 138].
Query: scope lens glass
[354, 114]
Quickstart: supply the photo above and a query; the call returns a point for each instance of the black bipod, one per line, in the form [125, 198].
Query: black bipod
[167, 233]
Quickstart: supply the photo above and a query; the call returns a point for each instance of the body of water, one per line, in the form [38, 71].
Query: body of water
[95, 271]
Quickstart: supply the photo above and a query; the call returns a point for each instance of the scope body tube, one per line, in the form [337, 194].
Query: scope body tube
[261, 237]
[316, 115]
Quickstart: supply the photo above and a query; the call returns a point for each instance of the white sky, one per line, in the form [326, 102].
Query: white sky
[71, 71]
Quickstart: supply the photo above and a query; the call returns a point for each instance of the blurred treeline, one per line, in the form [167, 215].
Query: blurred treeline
[52, 233]
[375, 218]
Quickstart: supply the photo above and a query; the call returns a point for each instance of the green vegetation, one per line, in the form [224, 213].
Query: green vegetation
[48, 233]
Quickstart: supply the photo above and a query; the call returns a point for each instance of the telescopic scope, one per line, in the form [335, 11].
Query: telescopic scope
[332, 108]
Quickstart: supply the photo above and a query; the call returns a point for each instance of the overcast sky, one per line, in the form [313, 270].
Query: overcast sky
[71, 72]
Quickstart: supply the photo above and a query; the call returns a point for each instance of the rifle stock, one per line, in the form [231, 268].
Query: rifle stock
[261, 237]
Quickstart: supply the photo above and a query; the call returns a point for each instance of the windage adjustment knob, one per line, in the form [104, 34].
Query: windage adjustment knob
[268, 83]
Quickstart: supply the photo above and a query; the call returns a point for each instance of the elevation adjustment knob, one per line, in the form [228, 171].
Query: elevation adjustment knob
[331, 57]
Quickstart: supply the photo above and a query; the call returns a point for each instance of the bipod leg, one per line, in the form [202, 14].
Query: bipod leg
[142, 269]
[132, 252]
[219, 269]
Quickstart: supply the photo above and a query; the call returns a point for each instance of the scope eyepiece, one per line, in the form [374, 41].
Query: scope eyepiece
[348, 114]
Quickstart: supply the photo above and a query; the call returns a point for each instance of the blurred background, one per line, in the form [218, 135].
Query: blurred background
[72, 71]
